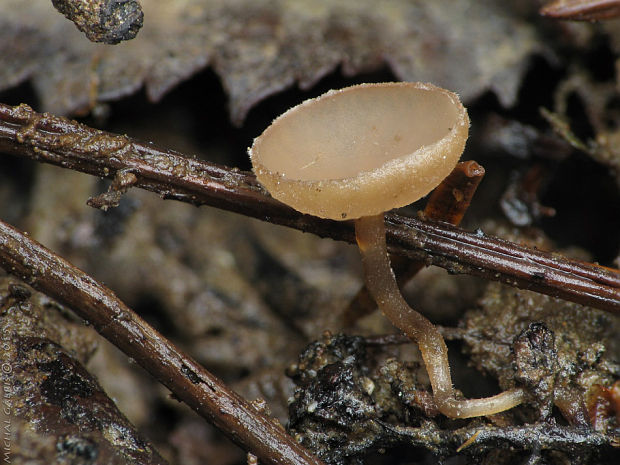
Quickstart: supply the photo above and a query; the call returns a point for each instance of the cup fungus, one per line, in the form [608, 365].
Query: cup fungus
[357, 152]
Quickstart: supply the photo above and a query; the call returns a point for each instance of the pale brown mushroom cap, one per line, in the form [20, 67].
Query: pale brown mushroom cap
[361, 150]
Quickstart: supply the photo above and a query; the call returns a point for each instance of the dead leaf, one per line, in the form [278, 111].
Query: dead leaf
[259, 48]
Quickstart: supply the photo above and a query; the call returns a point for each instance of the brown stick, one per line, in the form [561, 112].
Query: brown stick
[62, 142]
[582, 10]
[451, 199]
[188, 380]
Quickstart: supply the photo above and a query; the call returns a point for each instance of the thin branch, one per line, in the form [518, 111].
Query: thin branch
[582, 10]
[541, 436]
[187, 379]
[449, 333]
[56, 140]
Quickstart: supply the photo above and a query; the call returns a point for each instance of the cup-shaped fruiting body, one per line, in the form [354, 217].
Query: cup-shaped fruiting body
[356, 153]
[362, 150]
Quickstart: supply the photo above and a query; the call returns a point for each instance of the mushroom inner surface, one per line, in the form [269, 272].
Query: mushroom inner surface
[361, 150]
[342, 134]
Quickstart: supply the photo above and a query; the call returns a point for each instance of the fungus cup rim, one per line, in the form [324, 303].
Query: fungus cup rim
[396, 183]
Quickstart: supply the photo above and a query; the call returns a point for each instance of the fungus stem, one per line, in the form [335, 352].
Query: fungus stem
[380, 281]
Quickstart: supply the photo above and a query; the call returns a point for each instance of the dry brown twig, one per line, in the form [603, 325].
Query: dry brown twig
[186, 378]
[56, 140]
[582, 10]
